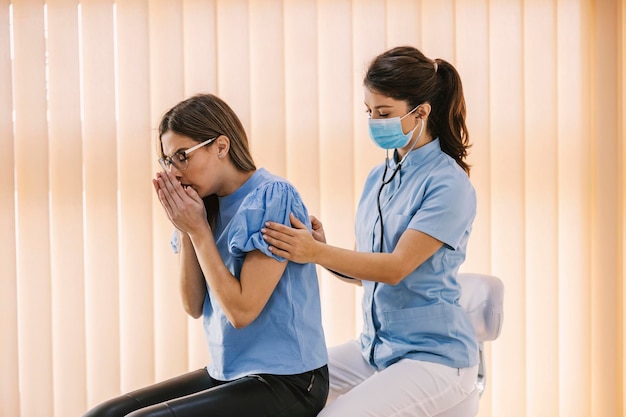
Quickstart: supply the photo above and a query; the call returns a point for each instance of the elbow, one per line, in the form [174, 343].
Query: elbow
[396, 275]
[194, 314]
[239, 324]
[242, 319]
[194, 311]
[193, 302]
[395, 279]
[398, 269]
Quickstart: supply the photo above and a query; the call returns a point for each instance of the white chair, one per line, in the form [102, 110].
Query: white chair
[482, 297]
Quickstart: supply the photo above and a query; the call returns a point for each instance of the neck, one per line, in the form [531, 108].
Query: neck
[423, 140]
[235, 180]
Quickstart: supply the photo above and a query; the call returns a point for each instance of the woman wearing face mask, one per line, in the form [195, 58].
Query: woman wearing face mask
[262, 318]
[417, 353]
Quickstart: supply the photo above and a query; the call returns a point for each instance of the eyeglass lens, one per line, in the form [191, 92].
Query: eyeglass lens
[179, 160]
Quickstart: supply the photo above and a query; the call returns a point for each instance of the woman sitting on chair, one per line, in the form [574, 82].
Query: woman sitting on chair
[262, 318]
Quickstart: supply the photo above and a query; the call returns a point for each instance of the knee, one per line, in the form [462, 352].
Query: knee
[157, 410]
[116, 407]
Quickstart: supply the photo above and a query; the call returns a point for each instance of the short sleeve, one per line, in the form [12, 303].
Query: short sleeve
[271, 202]
[175, 242]
[447, 211]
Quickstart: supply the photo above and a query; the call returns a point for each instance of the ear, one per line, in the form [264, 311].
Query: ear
[222, 146]
[423, 111]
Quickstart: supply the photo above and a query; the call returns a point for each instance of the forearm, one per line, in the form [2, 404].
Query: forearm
[192, 284]
[345, 278]
[223, 285]
[368, 266]
[296, 244]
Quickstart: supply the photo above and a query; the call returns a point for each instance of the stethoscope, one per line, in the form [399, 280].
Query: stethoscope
[380, 190]
[387, 181]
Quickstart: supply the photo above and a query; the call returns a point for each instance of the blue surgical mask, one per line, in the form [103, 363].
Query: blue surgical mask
[388, 134]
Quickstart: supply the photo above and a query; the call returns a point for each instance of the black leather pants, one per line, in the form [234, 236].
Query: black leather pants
[196, 394]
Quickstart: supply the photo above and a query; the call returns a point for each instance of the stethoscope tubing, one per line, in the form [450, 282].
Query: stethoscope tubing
[387, 181]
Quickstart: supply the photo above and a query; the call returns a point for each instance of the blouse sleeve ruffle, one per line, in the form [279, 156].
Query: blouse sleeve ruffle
[272, 202]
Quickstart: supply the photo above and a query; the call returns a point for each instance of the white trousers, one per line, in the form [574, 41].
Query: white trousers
[408, 388]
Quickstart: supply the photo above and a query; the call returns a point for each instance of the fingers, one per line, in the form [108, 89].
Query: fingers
[316, 224]
[281, 228]
[165, 194]
[169, 182]
[280, 252]
[194, 195]
[160, 193]
[277, 229]
[278, 240]
[173, 190]
[295, 222]
[175, 195]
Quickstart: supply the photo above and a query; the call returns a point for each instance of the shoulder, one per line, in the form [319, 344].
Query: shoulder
[272, 193]
[272, 185]
[445, 171]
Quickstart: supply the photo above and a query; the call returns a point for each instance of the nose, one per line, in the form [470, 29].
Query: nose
[177, 173]
[174, 170]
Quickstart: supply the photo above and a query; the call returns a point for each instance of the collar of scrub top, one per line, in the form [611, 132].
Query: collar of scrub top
[416, 156]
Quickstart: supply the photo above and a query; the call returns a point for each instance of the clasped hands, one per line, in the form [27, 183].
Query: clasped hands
[183, 206]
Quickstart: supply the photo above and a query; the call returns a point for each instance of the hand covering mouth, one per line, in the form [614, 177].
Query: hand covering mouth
[188, 185]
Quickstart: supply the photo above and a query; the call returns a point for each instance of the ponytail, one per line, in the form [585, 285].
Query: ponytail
[448, 114]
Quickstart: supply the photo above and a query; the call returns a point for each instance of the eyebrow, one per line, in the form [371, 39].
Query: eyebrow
[385, 106]
[172, 154]
[179, 150]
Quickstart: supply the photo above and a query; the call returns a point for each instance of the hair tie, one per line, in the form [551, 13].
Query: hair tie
[435, 65]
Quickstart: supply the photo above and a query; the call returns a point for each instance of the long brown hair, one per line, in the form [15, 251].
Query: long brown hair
[404, 73]
[206, 116]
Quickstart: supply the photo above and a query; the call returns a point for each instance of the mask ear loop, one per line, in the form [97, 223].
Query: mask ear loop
[417, 138]
[385, 182]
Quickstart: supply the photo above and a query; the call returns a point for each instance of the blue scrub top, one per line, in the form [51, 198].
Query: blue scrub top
[419, 318]
[287, 337]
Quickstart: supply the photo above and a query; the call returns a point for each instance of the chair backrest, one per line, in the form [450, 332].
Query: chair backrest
[482, 298]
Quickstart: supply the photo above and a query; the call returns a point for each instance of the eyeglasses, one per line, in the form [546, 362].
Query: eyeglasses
[180, 160]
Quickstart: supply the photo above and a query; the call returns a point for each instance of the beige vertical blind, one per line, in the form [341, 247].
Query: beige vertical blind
[89, 303]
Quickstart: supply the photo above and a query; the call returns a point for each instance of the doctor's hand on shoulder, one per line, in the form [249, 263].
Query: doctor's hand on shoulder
[295, 243]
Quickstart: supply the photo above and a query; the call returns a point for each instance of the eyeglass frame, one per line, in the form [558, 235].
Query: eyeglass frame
[168, 159]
